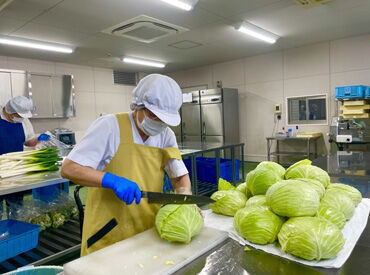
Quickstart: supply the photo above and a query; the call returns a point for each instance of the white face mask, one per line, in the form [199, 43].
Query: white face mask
[151, 127]
[18, 119]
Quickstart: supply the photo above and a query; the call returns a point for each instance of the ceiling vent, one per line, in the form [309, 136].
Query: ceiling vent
[144, 29]
[185, 44]
[4, 3]
[311, 3]
[125, 78]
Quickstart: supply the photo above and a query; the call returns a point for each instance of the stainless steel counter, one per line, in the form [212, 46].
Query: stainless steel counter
[230, 257]
[29, 182]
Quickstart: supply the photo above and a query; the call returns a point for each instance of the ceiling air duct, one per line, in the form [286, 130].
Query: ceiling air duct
[311, 3]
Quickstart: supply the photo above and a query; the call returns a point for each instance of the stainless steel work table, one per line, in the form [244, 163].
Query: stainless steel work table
[308, 140]
[30, 181]
[230, 257]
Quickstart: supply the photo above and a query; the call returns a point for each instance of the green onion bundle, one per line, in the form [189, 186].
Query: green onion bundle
[18, 163]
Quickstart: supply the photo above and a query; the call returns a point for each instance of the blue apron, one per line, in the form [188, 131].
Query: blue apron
[12, 137]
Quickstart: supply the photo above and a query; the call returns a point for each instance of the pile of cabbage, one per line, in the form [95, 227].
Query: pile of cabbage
[298, 207]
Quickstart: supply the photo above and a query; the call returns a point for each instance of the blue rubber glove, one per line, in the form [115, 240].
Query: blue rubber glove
[43, 137]
[125, 189]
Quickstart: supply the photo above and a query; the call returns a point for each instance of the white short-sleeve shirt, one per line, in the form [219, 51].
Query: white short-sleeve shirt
[101, 141]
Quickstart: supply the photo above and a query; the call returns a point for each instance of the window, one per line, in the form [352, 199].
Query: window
[307, 110]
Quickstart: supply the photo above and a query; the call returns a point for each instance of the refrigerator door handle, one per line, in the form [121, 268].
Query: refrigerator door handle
[204, 128]
[183, 128]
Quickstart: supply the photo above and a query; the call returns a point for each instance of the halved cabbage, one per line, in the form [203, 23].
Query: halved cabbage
[260, 179]
[293, 199]
[339, 200]
[332, 215]
[352, 192]
[259, 200]
[178, 223]
[311, 238]
[280, 170]
[228, 202]
[315, 184]
[301, 162]
[309, 172]
[257, 224]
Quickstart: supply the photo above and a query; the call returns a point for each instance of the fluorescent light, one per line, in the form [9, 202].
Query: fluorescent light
[35, 44]
[143, 62]
[258, 33]
[181, 4]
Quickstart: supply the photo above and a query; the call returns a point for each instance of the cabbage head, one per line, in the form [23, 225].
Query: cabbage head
[339, 200]
[227, 202]
[225, 185]
[292, 199]
[315, 184]
[242, 188]
[259, 200]
[332, 215]
[301, 162]
[260, 179]
[178, 222]
[311, 238]
[309, 172]
[257, 224]
[352, 192]
[280, 170]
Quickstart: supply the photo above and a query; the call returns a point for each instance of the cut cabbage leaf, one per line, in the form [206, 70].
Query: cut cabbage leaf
[227, 202]
[225, 185]
[352, 192]
[339, 200]
[293, 199]
[178, 223]
[260, 179]
[332, 215]
[257, 224]
[280, 170]
[309, 172]
[311, 238]
[259, 200]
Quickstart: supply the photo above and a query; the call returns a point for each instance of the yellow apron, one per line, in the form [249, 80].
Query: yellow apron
[139, 163]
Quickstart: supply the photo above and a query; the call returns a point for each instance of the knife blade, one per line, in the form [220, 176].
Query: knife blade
[162, 198]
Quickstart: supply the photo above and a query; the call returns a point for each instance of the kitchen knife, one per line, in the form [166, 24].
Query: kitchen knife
[162, 198]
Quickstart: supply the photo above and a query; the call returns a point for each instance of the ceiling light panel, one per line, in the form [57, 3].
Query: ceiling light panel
[144, 62]
[182, 4]
[35, 44]
[257, 32]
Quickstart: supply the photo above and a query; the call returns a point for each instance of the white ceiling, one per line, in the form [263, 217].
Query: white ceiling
[80, 22]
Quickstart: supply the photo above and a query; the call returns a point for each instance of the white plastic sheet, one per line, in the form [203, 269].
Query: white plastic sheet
[351, 231]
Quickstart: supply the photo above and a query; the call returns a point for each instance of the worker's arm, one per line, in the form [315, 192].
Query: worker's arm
[81, 175]
[182, 185]
[31, 142]
[125, 189]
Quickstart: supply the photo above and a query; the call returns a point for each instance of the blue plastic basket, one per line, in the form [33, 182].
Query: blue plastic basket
[206, 169]
[49, 193]
[348, 92]
[20, 237]
[367, 92]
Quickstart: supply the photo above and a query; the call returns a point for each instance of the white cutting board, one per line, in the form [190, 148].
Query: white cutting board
[145, 253]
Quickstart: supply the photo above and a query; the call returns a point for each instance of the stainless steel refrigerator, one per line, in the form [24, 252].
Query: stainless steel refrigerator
[210, 116]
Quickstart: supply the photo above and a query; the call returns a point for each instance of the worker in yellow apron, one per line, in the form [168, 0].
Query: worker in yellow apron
[124, 154]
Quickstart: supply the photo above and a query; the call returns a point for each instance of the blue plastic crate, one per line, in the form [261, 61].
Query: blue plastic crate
[348, 92]
[49, 193]
[367, 92]
[17, 237]
[206, 169]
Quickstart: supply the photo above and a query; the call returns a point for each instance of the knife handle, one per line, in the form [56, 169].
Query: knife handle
[144, 194]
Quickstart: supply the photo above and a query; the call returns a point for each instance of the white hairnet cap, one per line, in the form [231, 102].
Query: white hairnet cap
[20, 105]
[161, 95]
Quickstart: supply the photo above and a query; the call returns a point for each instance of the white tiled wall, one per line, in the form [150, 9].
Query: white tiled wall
[266, 80]
[95, 92]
